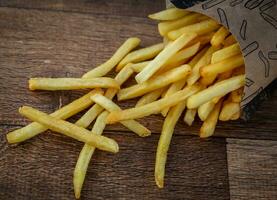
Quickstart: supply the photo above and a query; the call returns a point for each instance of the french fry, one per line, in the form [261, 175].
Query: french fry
[208, 80]
[200, 28]
[163, 57]
[225, 53]
[236, 116]
[205, 109]
[71, 83]
[130, 124]
[140, 55]
[154, 83]
[208, 127]
[219, 89]
[229, 41]
[219, 36]
[138, 67]
[154, 107]
[65, 112]
[189, 116]
[164, 142]
[121, 52]
[204, 60]
[150, 97]
[85, 156]
[203, 39]
[95, 110]
[69, 129]
[223, 66]
[229, 109]
[169, 14]
[167, 26]
[236, 95]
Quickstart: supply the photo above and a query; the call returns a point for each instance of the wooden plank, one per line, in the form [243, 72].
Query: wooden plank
[42, 168]
[252, 169]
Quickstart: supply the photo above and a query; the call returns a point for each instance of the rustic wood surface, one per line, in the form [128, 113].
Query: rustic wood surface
[55, 38]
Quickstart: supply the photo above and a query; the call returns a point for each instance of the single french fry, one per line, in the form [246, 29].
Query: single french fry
[219, 36]
[154, 83]
[65, 112]
[200, 28]
[95, 110]
[169, 51]
[71, 83]
[167, 26]
[223, 66]
[190, 116]
[236, 95]
[208, 80]
[203, 39]
[154, 107]
[150, 97]
[228, 110]
[236, 116]
[86, 154]
[121, 52]
[225, 53]
[69, 129]
[111, 107]
[208, 127]
[164, 142]
[169, 14]
[140, 55]
[138, 67]
[205, 109]
[203, 61]
[229, 41]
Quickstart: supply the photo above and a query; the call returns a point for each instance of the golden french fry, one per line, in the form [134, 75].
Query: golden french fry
[203, 61]
[140, 55]
[228, 110]
[121, 52]
[169, 14]
[85, 156]
[154, 83]
[167, 26]
[71, 83]
[208, 127]
[205, 109]
[133, 125]
[208, 80]
[229, 41]
[154, 107]
[235, 116]
[189, 116]
[164, 142]
[236, 95]
[138, 67]
[203, 39]
[219, 36]
[200, 28]
[223, 66]
[65, 112]
[150, 97]
[163, 57]
[225, 53]
[69, 129]
[219, 89]
[95, 110]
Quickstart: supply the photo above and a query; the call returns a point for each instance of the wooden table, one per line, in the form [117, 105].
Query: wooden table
[55, 38]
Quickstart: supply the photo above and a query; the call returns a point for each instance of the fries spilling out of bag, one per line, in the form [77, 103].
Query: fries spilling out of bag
[197, 70]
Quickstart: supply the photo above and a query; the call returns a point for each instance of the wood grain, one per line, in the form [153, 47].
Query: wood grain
[252, 169]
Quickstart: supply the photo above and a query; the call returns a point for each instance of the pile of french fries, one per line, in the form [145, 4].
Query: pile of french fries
[197, 69]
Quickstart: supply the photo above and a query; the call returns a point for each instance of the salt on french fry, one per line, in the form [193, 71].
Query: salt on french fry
[219, 36]
[225, 53]
[150, 97]
[190, 116]
[169, 14]
[121, 52]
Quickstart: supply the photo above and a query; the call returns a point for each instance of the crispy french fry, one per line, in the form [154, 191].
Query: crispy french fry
[154, 107]
[205, 109]
[189, 116]
[225, 53]
[203, 39]
[71, 83]
[164, 142]
[169, 14]
[204, 60]
[167, 26]
[229, 109]
[236, 95]
[208, 127]
[163, 57]
[219, 36]
[65, 112]
[69, 129]
[200, 28]
[235, 116]
[219, 89]
[229, 41]
[208, 80]
[111, 107]
[223, 66]
[140, 55]
[85, 156]
[154, 83]
[121, 52]
[95, 110]
[150, 97]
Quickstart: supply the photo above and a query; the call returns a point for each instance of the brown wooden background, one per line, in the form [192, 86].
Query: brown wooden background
[57, 38]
